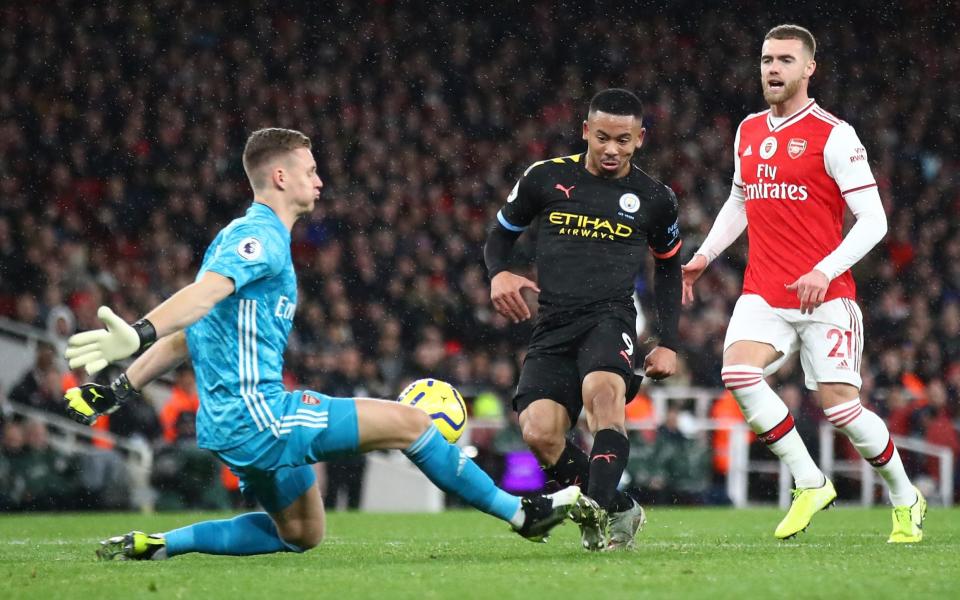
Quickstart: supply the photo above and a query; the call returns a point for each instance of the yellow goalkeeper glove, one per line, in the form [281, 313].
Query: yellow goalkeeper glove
[87, 402]
[95, 349]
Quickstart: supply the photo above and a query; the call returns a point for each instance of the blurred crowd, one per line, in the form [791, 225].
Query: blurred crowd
[121, 131]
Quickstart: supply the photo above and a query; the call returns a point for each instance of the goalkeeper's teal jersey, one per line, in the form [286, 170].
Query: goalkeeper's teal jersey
[237, 348]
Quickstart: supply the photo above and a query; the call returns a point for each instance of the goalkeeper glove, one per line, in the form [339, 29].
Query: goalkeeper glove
[87, 402]
[95, 349]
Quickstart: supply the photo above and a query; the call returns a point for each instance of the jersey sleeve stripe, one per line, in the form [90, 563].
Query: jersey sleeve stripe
[534, 165]
[826, 116]
[507, 224]
[668, 253]
[858, 189]
[817, 115]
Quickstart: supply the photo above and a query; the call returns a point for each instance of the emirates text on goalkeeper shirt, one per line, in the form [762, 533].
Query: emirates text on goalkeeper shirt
[593, 231]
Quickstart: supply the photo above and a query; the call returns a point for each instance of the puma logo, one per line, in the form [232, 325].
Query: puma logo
[607, 457]
[566, 191]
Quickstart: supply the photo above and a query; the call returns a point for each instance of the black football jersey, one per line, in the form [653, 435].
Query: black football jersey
[592, 231]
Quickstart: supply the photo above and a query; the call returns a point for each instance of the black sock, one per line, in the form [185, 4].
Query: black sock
[623, 500]
[572, 468]
[607, 461]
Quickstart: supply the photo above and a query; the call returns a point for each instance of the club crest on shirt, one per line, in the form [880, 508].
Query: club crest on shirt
[768, 147]
[795, 147]
[310, 399]
[250, 248]
[630, 203]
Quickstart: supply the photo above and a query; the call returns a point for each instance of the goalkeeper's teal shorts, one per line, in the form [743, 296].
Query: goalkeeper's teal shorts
[274, 466]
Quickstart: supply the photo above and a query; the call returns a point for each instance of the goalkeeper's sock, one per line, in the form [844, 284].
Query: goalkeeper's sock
[871, 438]
[608, 458]
[451, 471]
[572, 468]
[770, 419]
[250, 533]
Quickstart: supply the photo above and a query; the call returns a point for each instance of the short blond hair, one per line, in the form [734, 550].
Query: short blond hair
[264, 145]
[794, 32]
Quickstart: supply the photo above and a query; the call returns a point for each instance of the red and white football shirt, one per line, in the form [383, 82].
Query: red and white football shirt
[795, 175]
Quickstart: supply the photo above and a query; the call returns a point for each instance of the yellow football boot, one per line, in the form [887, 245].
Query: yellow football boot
[806, 503]
[135, 545]
[908, 522]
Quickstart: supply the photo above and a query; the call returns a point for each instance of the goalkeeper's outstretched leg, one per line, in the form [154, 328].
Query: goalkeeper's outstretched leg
[294, 520]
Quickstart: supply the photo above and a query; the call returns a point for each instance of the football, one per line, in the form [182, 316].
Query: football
[442, 402]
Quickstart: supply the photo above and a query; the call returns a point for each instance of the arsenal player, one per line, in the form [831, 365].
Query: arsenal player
[796, 170]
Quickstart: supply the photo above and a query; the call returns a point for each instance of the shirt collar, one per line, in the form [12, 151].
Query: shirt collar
[261, 209]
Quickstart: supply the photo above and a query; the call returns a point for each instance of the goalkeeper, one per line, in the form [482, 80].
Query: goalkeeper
[233, 322]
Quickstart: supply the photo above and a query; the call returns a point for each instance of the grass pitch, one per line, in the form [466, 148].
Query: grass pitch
[684, 553]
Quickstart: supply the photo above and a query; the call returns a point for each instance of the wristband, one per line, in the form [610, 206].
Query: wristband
[146, 332]
[122, 389]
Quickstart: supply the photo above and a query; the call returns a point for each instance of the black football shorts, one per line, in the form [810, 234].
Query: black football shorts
[561, 356]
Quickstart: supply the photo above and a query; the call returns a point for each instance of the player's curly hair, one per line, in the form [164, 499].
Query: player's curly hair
[264, 145]
[794, 32]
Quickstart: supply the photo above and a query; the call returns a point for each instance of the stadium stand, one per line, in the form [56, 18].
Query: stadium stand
[121, 131]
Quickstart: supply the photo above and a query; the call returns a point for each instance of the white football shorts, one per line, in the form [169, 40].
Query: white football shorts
[830, 340]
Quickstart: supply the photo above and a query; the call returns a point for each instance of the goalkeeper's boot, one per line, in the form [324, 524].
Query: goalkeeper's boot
[908, 522]
[624, 526]
[135, 545]
[806, 503]
[543, 513]
[594, 524]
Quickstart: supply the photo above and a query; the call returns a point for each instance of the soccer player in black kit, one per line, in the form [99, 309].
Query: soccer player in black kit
[597, 213]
